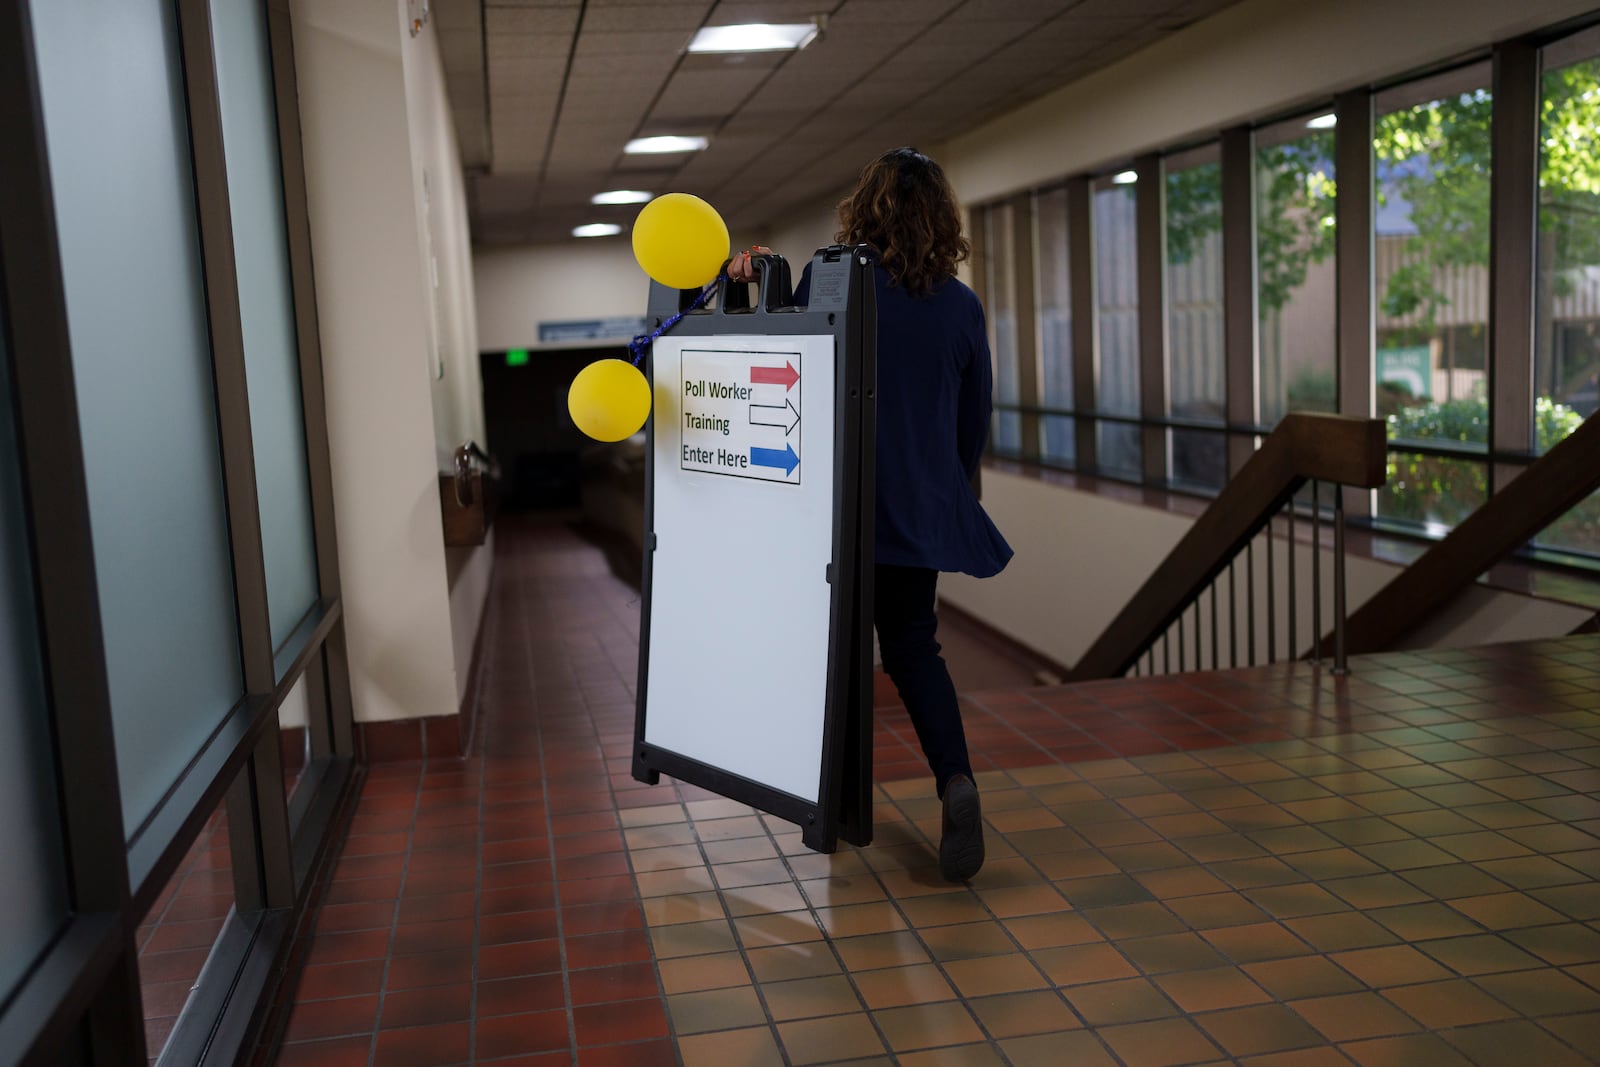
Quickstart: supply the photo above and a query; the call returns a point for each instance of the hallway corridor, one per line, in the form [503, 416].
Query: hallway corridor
[1271, 867]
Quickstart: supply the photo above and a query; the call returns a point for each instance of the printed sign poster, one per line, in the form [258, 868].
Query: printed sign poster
[742, 413]
[1410, 367]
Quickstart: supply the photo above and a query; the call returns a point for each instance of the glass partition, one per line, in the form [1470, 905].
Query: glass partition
[1052, 278]
[1431, 257]
[1196, 388]
[1567, 303]
[117, 132]
[1001, 297]
[1295, 189]
[1114, 216]
[266, 309]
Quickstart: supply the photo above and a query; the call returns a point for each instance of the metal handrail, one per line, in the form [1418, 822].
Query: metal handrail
[468, 458]
[1340, 450]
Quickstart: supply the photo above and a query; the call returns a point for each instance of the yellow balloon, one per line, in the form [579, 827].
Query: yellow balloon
[680, 240]
[609, 400]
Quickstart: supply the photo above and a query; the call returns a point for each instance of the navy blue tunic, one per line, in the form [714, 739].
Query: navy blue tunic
[934, 383]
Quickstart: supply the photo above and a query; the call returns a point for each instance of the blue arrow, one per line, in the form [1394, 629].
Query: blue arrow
[772, 457]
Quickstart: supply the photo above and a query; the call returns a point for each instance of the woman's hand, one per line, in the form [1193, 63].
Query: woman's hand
[741, 269]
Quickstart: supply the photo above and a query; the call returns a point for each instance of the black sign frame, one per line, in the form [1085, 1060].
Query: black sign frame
[842, 304]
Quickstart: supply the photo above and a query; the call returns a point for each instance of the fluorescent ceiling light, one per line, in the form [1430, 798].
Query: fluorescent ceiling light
[597, 229]
[1125, 177]
[657, 145]
[754, 37]
[622, 196]
[1323, 122]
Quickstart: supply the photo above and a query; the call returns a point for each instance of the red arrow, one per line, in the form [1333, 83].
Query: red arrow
[785, 376]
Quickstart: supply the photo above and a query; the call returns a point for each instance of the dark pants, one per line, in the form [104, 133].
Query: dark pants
[903, 614]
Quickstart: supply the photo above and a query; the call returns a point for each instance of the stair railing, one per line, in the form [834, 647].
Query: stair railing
[1545, 491]
[1163, 627]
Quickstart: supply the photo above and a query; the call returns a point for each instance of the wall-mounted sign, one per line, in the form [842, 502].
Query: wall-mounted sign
[1410, 367]
[617, 328]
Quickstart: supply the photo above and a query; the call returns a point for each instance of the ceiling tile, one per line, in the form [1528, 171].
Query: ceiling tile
[654, 18]
[604, 68]
[738, 12]
[884, 72]
[535, 74]
[457, 15]
[997, 10]
[653, 164]
[630, 44]
[549, 47]
[889, 12]
[500, 20]
[972, 39]
[461, 49]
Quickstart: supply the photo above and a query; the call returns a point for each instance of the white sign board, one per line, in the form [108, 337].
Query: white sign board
[743, 516]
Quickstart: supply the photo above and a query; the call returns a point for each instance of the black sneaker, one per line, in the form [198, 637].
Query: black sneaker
[961, 843]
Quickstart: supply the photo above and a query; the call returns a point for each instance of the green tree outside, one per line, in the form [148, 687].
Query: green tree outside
[1435, 157]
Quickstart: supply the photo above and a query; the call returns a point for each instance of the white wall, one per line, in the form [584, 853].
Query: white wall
[804, 232]
[442, 229]
[522, 286]
[456, 389]
[1080, 557]
[357, 68]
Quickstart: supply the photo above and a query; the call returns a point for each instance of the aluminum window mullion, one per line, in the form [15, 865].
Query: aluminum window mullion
[1080, 285]
[1025, 304]
[1151, 244]
[1354, 214]
[1240, 315]
[1513, 237]
[340, 736]
[258, 818]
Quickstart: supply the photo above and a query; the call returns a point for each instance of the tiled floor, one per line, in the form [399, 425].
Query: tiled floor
[1270, 867]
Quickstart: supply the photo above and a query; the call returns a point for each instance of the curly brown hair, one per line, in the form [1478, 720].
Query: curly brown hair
[904, 208]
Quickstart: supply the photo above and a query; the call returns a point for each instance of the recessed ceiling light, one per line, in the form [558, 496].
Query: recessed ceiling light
[754, 37]
[657, 145]
[597, 229]
[622, 196]
[1323, 122]
[1124, 177]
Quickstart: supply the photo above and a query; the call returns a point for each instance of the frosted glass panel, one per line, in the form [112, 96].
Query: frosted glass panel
[266, 308]
[33, 892]
[117, 135]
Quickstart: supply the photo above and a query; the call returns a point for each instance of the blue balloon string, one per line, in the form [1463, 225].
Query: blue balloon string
[644, 340]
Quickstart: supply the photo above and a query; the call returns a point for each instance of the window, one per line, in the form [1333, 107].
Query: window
[132, 271]
[1195, 382]
[1000, 295]
[266, 310]
[1052, 276]
[1567, 330]
[1294, 203]
[1431, 254]
[1116, 321]
[1431, 289]
[1567, 301]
